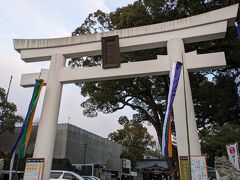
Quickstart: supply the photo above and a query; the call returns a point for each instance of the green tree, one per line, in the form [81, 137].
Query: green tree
[215, 101]
[147, 96]
[215, 138]
[8, 117]
[217, 107]
[137, 143]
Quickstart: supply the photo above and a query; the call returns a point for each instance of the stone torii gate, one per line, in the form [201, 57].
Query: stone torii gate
[173, 34]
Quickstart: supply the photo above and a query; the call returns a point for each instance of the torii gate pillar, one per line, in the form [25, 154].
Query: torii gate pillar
[45, 141]
[183, 104]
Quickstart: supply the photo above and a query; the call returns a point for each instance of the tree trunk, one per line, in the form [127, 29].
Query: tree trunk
[158, 129]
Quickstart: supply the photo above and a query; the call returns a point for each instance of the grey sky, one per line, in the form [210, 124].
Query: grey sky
[47, 19]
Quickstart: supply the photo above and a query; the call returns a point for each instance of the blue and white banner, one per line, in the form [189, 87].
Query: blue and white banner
[166, 137]
[238, 29]
[236, 78]
[236, 72]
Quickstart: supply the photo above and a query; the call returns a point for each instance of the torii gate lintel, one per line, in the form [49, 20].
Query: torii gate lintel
[194, 62]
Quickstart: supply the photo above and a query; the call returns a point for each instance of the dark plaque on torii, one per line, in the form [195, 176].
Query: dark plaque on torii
[110, 52]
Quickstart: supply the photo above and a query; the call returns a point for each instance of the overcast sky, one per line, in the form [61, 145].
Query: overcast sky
[49, 19]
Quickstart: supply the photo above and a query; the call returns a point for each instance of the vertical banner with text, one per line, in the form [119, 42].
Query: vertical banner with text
[184, 168]
[233, 154]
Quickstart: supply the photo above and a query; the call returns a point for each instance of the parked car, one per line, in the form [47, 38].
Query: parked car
[91, 178]
[59, 174]
[55, 175]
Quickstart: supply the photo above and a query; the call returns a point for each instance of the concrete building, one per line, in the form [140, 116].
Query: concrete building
[70, 143]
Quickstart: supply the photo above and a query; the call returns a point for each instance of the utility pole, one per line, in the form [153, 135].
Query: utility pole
[84, 159]
[69, 119]
[9, 88]
[5, 101]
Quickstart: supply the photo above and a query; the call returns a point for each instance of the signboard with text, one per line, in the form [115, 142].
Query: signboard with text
[184, 168]
[198, 168]
[34, 169]
[126, 166]
[110, 52]
[126, 163]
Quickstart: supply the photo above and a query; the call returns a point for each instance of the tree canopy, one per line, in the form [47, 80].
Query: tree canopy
[136, 141]
[8, 117]
[214, 98]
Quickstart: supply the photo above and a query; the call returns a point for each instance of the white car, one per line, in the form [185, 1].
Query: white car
[91, 178]
[58, 174]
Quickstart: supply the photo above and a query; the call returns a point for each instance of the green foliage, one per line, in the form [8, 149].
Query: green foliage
[131, 16]
[95, 22]
[136, 141]
[217, 113]
[214, 100]
[8, 116]
[215, 139]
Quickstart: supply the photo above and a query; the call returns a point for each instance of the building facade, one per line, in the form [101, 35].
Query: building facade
[73, 143]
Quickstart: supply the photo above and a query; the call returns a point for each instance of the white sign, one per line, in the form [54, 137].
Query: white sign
[34, 169]
[133, 173]
[126, 163]
[233, 154]
[199, 168]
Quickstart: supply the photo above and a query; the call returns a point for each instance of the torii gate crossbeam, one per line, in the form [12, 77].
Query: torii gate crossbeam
[68, 75]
